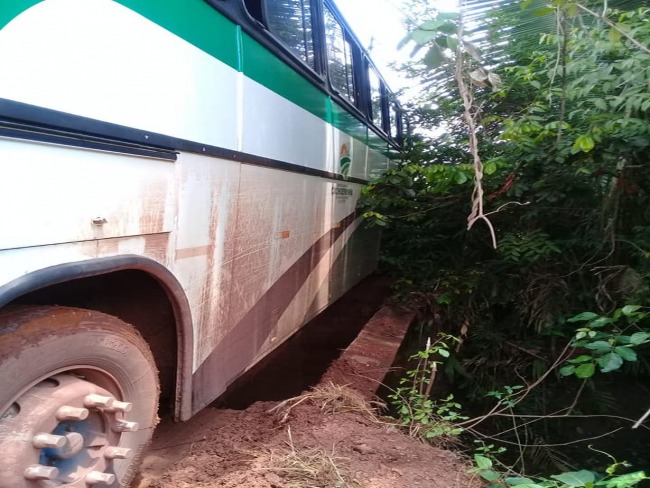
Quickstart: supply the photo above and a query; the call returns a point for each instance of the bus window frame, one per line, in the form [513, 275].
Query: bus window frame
[317, 67]
[237, 12]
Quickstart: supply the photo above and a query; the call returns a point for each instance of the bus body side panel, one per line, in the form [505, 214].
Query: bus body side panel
[290, 230]
[258, 250]
[208, 190]
[59, 194]
[99, 59]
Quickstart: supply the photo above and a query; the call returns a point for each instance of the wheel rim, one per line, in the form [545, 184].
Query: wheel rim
[64, 431]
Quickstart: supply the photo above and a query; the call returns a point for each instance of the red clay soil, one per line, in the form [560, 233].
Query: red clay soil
[241, 448]
[257, 448]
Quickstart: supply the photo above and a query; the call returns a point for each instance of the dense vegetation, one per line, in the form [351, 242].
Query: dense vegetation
[546, 139]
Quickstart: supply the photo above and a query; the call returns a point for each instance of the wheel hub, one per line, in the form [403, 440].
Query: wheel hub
[64, 431]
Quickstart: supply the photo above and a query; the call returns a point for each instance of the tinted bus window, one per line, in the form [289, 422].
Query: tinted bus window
[290, 21]
[396, 124]
[339, 57]
[375, 98]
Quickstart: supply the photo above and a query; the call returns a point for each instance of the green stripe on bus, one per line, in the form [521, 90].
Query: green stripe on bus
[201, 25]
[348, 123]
[9, 10]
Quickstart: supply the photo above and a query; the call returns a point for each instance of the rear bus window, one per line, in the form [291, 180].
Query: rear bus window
[339, 58]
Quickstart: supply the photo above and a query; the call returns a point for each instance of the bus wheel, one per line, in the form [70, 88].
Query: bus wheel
[78, 398]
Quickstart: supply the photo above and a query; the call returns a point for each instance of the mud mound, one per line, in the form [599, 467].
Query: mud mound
[314, 447]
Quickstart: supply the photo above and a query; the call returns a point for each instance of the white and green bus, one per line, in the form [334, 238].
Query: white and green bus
[178, 182]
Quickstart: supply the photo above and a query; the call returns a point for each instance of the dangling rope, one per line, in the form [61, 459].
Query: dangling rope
[477, 212]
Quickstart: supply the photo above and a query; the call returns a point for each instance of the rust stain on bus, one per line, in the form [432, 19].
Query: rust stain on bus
[154, 207]
[240, 345]
[214, 294]
[156, 245]
[192, 252]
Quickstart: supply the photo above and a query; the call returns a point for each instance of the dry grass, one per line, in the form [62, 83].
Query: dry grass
[305, 467]
[332, 399]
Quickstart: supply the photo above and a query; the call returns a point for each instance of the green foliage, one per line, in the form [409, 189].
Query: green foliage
[609, 341]
[507, 396]
[423, 417]
[565, 140]
[489, 469]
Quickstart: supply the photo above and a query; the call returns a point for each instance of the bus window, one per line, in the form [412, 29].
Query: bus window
[375, 98]
[396, 124]
[394, 132]
[339, 57]
[290, 22]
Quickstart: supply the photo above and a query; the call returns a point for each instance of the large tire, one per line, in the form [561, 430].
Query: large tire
[53, 357]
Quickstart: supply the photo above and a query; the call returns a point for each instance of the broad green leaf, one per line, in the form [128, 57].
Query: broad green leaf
[567, 370]
[489, 475]
[490, 167]
[581, 359]
[600, 321]
[516, 481]
[576, 478]
[610, 362]
[434, 57]
[639, 338]
[584, 143]
[582, 317]
[448, 28]
[630, 309]
[431, 25]
[482, 462]
[628, 354]
[622, 340]
[624, 480]
[600, 347]
[443, 352]
[421, 37]
[586, 370]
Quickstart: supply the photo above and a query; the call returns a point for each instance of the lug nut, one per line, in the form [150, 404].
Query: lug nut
[125, 426]
[113, 452]
[98, 401]
[95, 477]
[39, 472]
[71, 413]
[42, 441]
[122, 407]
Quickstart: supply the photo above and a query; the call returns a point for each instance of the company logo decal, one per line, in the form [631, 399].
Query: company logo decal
[344, 160]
